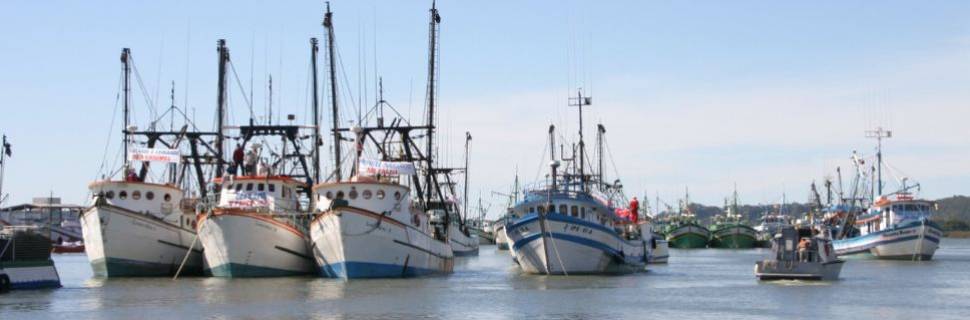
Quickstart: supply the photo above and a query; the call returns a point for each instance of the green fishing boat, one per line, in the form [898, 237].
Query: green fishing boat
[684, 232]
[730, 231]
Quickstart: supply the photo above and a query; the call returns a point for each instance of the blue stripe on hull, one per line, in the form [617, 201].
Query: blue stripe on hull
[363, 270]
[581, 241]
[30, 285]
[238, 270]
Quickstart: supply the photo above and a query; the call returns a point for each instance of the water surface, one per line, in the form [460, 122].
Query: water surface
[697, 284]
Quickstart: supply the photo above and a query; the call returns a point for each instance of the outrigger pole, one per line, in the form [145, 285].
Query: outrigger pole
[126, 70]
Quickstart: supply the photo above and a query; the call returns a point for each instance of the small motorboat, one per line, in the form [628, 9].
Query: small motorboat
[798, 254]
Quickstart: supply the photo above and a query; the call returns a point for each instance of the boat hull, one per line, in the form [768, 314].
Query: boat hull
[688, 237]
[251, 245]
[501, 238]
[660, 253]
[915, 240]
[462, 245]
[122, 243]
[794, 270]
[572, 246]
[29, 275]
[734, 237]
[352, 243]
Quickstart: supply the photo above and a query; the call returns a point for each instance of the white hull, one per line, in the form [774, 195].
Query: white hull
[910, 241]
[661, 253]
[244, 245]
[462, 245]
[572, 246]
[354, 243]
[501, 239]
[119, 242]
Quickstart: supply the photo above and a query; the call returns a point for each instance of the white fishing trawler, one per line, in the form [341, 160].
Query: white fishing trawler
[896, 226]
[391, 217]
[569, 224]
[258, 225]
[134, 227]
[258, 229]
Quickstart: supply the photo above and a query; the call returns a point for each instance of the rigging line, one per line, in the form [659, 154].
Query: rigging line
[239, 83]
[141, 85]
[114, 114]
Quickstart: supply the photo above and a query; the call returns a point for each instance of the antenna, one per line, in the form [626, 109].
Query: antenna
[879, 134]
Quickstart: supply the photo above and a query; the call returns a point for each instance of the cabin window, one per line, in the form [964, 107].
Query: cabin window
[272, 188]
[551, 208]
[249, 187]
[329, 195]
[239, 186]
[122, 195]
[582, 215]
[367, 194]
[340, 194]
[380, 194]
[563, 209]
[167, 197]
[397, 195]
[110, 195]
[575, 211]
[353, 193]
[541, 209]
[260, 187]
[532, 209]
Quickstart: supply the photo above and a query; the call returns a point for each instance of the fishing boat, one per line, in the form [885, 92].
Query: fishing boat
[257, 229]
[798, 255]
[135, 227]
[25, 259]
[895, 226]
[569, 224]
[684, 231]
[730, 230]
[391, 217]
[769, 225]
[258, 225]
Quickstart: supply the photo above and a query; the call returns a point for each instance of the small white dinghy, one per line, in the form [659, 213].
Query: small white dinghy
[798, 255]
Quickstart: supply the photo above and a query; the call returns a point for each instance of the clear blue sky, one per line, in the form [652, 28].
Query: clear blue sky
[698, 94]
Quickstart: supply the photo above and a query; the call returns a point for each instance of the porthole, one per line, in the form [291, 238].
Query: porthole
[380, 194]
[340, 194]
[367, 194]
[329, 195]
[397, 195]
[109, 195]
[150, 195]
[136, 195]
[167, 197]
[122, 195]
[353, 193]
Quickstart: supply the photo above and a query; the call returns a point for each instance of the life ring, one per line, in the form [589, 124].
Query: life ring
[4, 283]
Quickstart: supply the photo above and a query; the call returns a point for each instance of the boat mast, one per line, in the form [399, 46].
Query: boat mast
[435, 19]
[580, 101]
[316, 114]
[600, 134]
[328, 24]
[4, 151]
[879, 134]
[468, 140]
[220, 107]
[126, 70]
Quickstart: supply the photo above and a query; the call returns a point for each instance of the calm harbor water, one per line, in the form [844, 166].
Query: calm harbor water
[697, 284]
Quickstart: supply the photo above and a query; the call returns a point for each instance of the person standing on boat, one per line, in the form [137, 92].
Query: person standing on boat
[803, 249]
[131, 176]
[634, 210]
[251, 159]
[238, 156]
